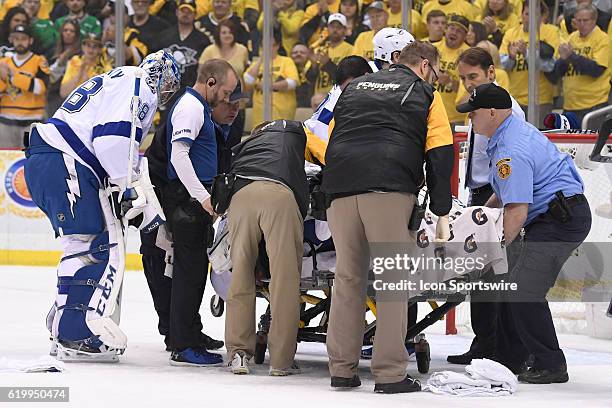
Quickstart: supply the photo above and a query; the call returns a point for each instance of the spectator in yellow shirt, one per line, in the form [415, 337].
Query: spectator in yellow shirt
[583, 63]
[94, 61]
[284, 82]
[326, 57]
[436, 26]
[514, 60]
[364, 44]
[23, 88]
[448, 81]
[314, 22]
[417, 26]
[461, 7]
[225, 47]
[497, 18]
[351, 10]
[286, 18]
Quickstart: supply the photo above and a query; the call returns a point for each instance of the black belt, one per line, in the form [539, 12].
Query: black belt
[482, 189]
[575, 200]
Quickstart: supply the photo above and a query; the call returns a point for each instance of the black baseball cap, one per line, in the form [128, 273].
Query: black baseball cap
[237, 94]
[486, 96]
[21, 29]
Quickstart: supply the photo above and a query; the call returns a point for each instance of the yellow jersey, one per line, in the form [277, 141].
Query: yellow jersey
[505, 25]
[461, 7]
[24, 94]
[517, 7]
[364, 45]
[418, 29]
[336, 54]
[284, 103]
[73, 67]
[290, 23]
[519, 76]
[583, 91]
[43, 13]
[448, 63]
[312, 11]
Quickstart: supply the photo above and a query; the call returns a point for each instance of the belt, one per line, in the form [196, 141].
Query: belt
[576, 199]
[482, 189]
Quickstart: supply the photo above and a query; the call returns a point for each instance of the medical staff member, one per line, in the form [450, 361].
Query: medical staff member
[541, 193]
[387, 126]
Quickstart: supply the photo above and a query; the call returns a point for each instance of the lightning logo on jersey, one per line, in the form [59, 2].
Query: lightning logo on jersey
[72, 181]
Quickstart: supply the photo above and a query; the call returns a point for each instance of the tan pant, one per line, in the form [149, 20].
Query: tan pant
[268, 209]
[354, 222]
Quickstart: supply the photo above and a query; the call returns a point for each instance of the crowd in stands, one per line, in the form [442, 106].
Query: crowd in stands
[49, 47]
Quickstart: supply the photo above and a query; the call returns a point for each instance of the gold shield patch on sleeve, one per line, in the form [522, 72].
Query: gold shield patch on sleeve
[504, 170]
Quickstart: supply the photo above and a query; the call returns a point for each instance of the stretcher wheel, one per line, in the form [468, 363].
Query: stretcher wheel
[217, 306]
[423, 356]
[261, 345]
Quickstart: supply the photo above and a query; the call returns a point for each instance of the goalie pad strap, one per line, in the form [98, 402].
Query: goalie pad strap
[99, 249]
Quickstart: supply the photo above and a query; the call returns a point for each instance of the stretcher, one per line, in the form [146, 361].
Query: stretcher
[317, 279]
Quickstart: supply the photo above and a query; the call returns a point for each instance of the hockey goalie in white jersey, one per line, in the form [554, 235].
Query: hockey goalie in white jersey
[77, 172]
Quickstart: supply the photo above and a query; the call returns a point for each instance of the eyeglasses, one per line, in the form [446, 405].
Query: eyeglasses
[435, 81]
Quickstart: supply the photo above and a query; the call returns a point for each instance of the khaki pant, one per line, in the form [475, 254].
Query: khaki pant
[269, 209]
[354, 222]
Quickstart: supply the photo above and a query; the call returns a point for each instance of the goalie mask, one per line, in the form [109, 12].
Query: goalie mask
[163, 75]
[388, 40]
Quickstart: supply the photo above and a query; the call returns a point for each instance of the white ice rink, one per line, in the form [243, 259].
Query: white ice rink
[143, 377]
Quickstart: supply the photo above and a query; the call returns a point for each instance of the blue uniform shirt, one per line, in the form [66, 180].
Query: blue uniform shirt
[526, 167]
[190, 121]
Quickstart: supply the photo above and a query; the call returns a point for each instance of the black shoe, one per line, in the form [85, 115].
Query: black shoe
[464, 359]
[544, 376]
[408, 384]
[345, 383]
[209, 343]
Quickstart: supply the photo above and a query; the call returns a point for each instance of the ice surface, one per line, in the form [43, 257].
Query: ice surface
[143, 377]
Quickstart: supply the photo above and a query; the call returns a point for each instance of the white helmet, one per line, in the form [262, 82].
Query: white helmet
[163, 75]
[388, 40]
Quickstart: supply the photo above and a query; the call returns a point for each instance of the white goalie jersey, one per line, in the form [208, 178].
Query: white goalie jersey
[93, 124]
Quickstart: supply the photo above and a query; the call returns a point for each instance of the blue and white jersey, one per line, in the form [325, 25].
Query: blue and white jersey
[319, 122]
[93, 124]
[190, 122]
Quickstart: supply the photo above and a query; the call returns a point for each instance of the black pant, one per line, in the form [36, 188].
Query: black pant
[191, 228]
[154, 264]
[483, 314]
[525, 326]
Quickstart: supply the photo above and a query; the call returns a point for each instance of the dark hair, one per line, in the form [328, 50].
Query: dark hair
[215, 68]
[352, 66]
[503, 14]
[413, 53]
[480, 32]
[543, 7]
[357, 17]
[59, 45]
[434, 14]
[476, 57]
[225, 23]
[5, 29]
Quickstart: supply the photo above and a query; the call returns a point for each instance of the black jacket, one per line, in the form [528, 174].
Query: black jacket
[385, 130]
[275, 152]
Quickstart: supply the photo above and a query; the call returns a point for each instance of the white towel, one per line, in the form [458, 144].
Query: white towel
[483, 378]
[39, 365]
